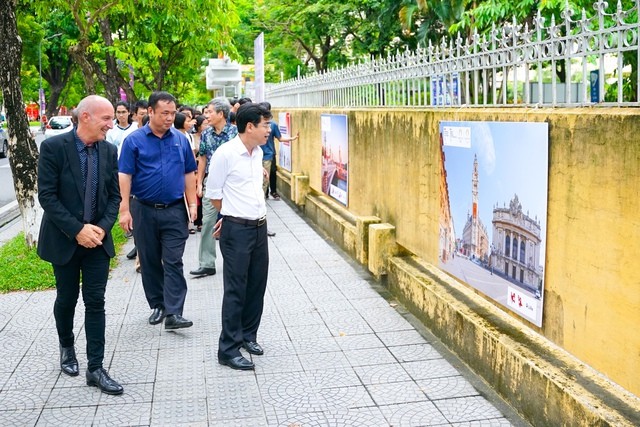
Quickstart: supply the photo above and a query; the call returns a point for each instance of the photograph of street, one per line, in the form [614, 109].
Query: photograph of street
[494, 209]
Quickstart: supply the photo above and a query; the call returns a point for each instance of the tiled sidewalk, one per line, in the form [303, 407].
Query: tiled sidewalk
[337, 353]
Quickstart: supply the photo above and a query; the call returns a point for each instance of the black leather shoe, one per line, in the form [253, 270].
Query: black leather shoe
[203, 271]
[175, 321]
[132, 253]
[239, 363]
[157, 316]
[253, 347]
[101, 379]
[68, 361]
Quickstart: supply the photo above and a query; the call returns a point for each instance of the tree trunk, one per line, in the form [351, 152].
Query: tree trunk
[113, 80]
[78, 53]
[23, 153]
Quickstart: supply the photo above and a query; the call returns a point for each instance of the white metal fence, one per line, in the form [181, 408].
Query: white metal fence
[512, 66]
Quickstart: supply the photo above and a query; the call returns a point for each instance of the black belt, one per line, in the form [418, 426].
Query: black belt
[159, 205]
[248, 222]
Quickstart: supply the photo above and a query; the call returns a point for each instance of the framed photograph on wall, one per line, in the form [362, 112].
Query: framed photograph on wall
[494, 208]
[335, 156]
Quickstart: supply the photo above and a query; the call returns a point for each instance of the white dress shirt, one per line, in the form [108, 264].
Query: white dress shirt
[235, 176]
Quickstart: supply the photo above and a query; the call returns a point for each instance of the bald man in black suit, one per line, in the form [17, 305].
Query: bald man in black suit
[79, 192]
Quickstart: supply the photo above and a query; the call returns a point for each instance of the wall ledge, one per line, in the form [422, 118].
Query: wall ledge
[547, 385]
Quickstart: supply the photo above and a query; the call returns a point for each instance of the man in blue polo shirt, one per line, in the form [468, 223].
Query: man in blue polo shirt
[157, 169]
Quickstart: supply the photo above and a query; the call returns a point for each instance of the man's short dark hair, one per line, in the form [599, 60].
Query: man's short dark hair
[179, 120]
[160, 96]
[251, 113]
[140, 103]
[243, 101]
[266, 105]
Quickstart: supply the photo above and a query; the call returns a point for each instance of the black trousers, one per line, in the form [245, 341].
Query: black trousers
[94, 266]
[246, 266]
[161, 236]
[273, 176]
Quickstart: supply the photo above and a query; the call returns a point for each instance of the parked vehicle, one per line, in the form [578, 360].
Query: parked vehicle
[4, 143]
[58, 125]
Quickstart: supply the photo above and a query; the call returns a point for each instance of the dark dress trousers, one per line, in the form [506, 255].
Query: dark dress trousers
[61, 193]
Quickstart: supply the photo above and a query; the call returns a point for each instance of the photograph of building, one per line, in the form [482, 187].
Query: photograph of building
[493, 210]
[335, 156]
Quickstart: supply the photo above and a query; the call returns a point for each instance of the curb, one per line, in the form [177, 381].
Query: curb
[9, 212]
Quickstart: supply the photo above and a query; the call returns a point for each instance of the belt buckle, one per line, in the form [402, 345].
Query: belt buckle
[159, 205]
[262, 221]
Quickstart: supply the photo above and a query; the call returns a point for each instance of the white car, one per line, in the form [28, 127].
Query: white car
[3, 143]
[58, 125]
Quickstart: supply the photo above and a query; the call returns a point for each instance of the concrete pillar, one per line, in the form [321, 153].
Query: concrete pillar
[299, 188]
[362, 237]
[382, 246]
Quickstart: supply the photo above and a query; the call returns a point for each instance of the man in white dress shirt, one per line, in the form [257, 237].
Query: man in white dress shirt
[234, 186]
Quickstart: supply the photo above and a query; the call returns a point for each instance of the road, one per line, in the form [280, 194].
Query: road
[7, 191]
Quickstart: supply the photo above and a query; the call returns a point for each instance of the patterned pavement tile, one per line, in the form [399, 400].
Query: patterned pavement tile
[401, 337]
[414, 414]
[34, 373]
[396, 393]
[493, 422]
[81, 395]
[426, 369]
[337, 353]
[475, 408]
[179, 412]
[414, 352]
[191, 388]
[133, 394]
[132, 414]
[346, 397]
[305, 419]
[71, 416]
[308, 331]
[358, 341]
[447, 387]
[240, 399]
[382, 374]
[20, 400]
[319, 345]
[135, 366]
[288, 363]
[240, 422]
[369, 356]
[19, 417]
[324, 360]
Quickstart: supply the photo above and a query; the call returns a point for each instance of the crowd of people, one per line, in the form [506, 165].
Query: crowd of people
[164, 171]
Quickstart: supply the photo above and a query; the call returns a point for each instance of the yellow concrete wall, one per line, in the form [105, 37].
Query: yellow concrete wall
[592, 281]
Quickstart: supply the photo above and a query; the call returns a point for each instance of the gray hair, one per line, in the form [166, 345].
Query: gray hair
[221, 104]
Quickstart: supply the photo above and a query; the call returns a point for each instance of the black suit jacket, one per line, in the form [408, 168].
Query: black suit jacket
[61, 195]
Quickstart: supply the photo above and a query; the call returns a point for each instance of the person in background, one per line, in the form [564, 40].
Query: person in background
[157, 170]
[202, 123]
[234, 187]
[123, 125]
[78, 191]
[269, 156]
[218, 133]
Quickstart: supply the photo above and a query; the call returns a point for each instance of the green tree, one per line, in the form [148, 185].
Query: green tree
[23, 153]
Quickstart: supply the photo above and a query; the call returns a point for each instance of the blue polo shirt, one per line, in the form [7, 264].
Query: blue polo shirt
[269, 149]
[157, 165]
